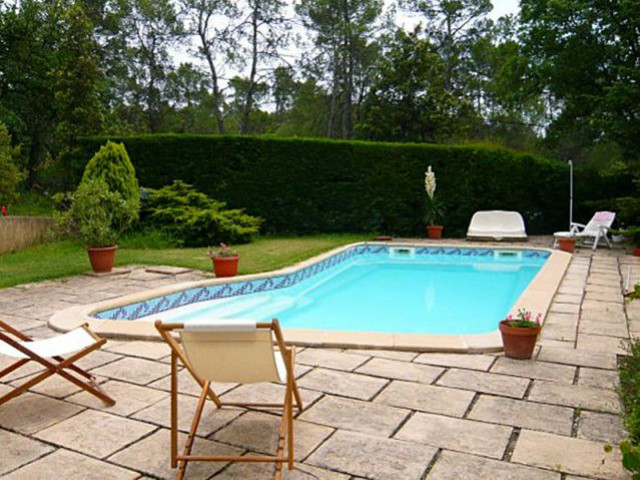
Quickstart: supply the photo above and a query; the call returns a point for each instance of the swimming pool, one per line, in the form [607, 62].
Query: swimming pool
[364, 295]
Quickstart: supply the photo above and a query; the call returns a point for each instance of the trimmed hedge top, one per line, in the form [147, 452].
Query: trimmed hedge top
[308, 185]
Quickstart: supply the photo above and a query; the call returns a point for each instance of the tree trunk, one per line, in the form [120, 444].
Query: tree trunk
[217, 107]
[248, 101]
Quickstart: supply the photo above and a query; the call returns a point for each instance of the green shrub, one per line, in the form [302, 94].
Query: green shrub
[10, 174]
[194, 219]
[95, 215]
[307, 185]
[629, 390]
[112, 164]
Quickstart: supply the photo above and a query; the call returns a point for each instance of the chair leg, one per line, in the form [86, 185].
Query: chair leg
[192, 433]
[289, 413]
[595, 242]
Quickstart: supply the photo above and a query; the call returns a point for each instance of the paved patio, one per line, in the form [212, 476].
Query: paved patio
[369, 414]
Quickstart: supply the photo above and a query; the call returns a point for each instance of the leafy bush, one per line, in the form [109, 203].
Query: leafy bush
[307, 185]
[194, 219]
[629, 390]
[112, 164]
[10, 174]
[95, 215]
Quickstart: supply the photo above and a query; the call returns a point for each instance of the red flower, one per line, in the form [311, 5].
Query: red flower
[4, 210]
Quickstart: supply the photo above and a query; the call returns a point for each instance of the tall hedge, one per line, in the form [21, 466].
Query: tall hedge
[306, 185]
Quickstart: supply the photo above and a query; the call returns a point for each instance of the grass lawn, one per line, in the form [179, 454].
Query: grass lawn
[61, 259]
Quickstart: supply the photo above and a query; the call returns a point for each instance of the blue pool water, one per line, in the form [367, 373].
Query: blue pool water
[389, 291]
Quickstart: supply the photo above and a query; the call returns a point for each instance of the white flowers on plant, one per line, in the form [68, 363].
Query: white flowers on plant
[430, 182]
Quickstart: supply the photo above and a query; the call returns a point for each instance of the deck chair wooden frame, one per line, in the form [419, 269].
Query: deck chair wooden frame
[285, 431]
[54, 365]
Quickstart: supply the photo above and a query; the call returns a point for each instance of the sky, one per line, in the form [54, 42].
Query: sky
[504, 7]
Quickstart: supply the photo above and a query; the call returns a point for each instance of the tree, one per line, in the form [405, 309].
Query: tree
[585, 57]
[409, 100]
[215, 39]
[49, 78]
[154, 28]
[265, 30]
[343, 32]
[190, 102]
[10, 174]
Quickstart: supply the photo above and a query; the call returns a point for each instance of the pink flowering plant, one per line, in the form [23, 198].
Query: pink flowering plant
[524, 319]
[223, 251]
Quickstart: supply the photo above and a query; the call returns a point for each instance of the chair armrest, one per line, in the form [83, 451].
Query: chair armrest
[576, 224]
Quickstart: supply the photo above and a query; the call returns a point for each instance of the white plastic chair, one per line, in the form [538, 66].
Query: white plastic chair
[496, 225]
[597, 228]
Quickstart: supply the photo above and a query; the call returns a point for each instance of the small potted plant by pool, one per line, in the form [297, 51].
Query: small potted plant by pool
[225, 261]
[434, 208]
[519, 334]
[567, 244]
[96, 216]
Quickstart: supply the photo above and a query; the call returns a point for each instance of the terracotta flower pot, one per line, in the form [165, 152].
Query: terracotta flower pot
[434, 231]
[518, 342]
[102, 258]
[567, 244]
[225, 266]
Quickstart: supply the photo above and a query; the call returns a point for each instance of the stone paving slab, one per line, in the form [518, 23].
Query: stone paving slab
[213, 418]
[601, 343]
[458, 466]
[392, 369]
[427, 398]
[97, 434]
[456, 434]
[485, 382]
[390, 354]
[266, 393]
[133, 370]
[524, 414]
[346, 384]
[582, 358]
[578, 396]
[602, 427]
[371, 457]
[330, 359]
[237, 471]
[258, 432]
[592, 377]
[355, 415]
[473, 362]
[568, 455]
[187, 385]
[149, 350]
[598, 327]
[151, 456]
[30, 413]
[536, 370]
[18, 450]
[71, 466]
[129, 398]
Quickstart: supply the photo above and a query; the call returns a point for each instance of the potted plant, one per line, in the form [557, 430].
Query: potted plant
[434, 209]
[567, 244]
[519, 334]
[225, 261]
[97, 217]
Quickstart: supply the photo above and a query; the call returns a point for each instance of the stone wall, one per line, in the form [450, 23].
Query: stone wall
[20, 232]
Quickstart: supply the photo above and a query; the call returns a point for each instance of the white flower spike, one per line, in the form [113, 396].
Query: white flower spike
[430, 182]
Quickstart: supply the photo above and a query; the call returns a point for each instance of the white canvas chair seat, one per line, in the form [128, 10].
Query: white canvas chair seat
[65, 344]
[496, 225]
[597, 228]
[231, 351]
[50, 354]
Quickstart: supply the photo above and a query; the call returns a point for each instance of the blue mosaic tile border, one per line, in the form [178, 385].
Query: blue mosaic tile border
[161, 304]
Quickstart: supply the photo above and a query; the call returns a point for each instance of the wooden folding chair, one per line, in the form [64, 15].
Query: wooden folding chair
[234, 351]
[50, 354]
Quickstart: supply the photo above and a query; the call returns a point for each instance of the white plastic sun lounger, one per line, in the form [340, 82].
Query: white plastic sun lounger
[496, 225]
[597, 228]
